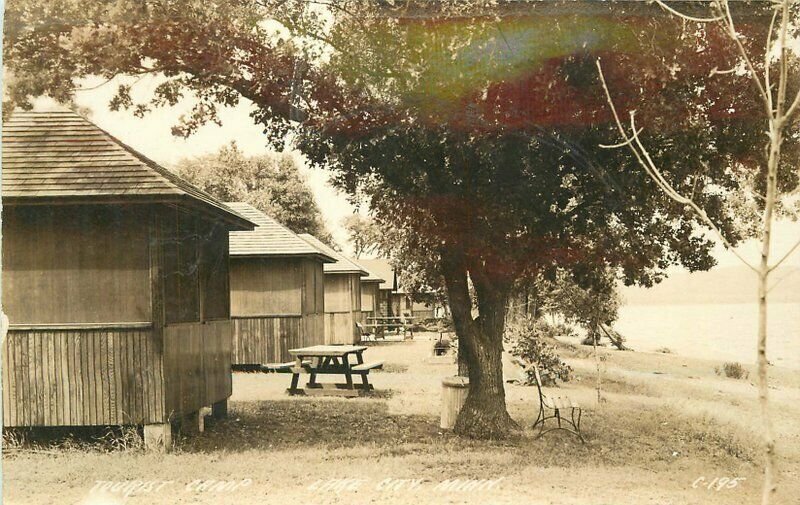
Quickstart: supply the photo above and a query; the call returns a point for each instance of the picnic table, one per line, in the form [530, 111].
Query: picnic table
[382, 323]
[330, 360]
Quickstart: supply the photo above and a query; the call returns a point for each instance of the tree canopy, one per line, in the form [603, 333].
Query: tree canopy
[365, 236]
[271, 183]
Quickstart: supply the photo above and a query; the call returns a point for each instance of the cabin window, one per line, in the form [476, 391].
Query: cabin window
[214, 272]
[181, 268]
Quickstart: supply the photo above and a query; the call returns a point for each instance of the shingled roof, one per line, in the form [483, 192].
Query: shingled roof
[342, 265]
[269, 238]
[60, 157]
[384, 269]
[371, 275]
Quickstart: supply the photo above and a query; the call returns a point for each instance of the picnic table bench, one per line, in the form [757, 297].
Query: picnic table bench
[329, 360]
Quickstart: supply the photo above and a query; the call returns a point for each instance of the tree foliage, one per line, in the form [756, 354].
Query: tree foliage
[365, 236]
[271, 183]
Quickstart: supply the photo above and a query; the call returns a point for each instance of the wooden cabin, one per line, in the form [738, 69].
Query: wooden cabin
[115, 283]
[392, 299]
[342, 295]
[277, 291]
[369, 293]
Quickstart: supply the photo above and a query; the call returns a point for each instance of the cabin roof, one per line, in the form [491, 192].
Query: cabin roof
[269, 238]
[383, 269]
[372, 276]
[57, 156]
[342, 265]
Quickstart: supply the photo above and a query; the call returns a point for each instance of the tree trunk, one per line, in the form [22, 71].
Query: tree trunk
[763, 388]
[484, 414]
[769, 488]
[463, 362]
[460, 303]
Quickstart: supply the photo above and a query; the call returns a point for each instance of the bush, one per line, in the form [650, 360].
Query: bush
[528, 343]
[732, 370]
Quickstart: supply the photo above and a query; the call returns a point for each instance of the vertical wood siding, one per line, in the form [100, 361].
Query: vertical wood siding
[369, 300]
[342, 308]
[266, 286]
[197, 365]
[277, 304]
[82, 377]
[340, 327]
[267, 339]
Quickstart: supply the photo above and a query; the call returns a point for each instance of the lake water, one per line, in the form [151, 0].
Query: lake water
[725, 332]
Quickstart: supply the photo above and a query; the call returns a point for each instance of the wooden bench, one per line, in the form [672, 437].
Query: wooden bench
[361, 369]
[281, 367]
[364, 368]
[554, 407]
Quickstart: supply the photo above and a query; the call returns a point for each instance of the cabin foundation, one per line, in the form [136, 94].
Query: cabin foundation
[158, 437]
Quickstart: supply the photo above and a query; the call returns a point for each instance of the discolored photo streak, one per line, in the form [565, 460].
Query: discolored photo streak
[401, 251]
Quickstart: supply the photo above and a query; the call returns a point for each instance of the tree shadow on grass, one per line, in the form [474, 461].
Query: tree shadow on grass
[304, 422]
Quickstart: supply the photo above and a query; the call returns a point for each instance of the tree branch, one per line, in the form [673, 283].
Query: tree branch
[687, 17]
[728, 18]
[785, 256]
[644, 159]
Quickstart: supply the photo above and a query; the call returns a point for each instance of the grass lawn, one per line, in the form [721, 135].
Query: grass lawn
[667, 421]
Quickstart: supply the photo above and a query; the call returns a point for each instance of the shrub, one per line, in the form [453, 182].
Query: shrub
[732, 370]
[528, 343]
[664, 350]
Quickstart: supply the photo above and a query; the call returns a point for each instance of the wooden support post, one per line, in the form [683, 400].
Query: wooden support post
[192, 424]
[219, 410]
[158, 437]
[203, 415]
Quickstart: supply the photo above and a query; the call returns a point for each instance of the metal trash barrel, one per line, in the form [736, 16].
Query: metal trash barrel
[454, 394]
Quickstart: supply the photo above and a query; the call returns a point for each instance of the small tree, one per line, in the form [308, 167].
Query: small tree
[772, 71]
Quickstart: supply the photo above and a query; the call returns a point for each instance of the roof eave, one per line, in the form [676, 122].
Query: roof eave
[237, 222]
[316, 256]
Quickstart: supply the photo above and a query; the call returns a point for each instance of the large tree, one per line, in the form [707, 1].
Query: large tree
[471, 126]
[270, 182]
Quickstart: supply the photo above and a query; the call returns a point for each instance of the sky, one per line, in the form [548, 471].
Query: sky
[151, 136]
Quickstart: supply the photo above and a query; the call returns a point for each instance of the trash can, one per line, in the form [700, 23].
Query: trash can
[454, 394]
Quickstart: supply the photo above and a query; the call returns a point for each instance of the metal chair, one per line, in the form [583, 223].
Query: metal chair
[365, 336]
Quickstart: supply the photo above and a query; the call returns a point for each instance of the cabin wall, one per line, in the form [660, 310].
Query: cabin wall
[277, 304]
[265, 339]
[369, 300]
[191, 304]
[77, 290]
[423, 310]
[342, 308]
[266, 287]
[82, 377]
[93, 339]
[197, 365]
[400, 304]
[76, 264]
[313, 330]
